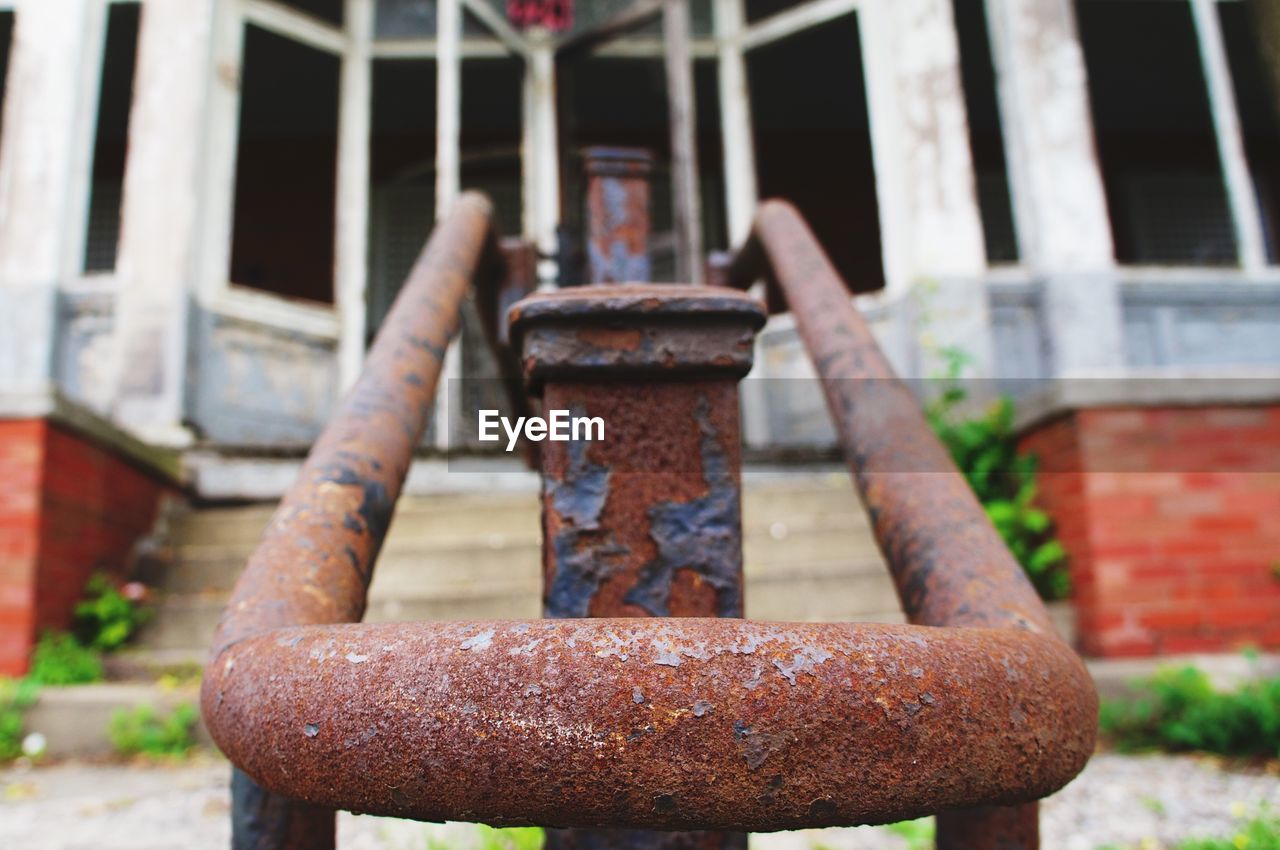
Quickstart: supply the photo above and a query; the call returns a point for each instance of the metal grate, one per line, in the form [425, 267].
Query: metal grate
[103, 239]
[1179, 217]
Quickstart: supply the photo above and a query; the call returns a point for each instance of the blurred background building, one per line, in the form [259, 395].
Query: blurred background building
[206, 208]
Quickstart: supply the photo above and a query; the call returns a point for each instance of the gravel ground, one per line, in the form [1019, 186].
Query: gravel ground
[1124, 801]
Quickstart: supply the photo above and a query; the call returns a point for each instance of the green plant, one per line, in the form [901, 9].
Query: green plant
[918, 833]
[59, 659]
[16, 696]
[491, 838]
[1260, 832]
[1004, 479]
[143, 731]
[1178, 709]
[105, 619]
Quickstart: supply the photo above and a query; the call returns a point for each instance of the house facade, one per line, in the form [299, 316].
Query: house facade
[206, 207]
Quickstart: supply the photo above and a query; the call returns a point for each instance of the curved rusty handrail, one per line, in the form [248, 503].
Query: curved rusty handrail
[657, 723]
[654, 723]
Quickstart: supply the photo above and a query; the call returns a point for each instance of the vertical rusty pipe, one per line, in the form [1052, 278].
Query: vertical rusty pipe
[617, 215]
[646, 522]
[315, 559]
[949, 564]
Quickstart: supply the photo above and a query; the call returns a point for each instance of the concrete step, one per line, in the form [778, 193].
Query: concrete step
[423, 563]
[514, 516]
[188, 622]
[808, 592]
[75, 720]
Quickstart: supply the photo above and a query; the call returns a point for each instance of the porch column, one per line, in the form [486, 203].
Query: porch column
[540, 150]
[161, 219]
[352, 213]
[1059, 202]
[49, 116]
[735, 110]
[931, 227]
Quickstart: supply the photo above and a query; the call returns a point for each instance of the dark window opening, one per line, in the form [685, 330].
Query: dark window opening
[492, 91]
[757, 10]
[402, 157]
[813, 142]
[111, 137]
[1258, 104]
[1155, 135]
[6, 42]
[986, 140]
[286, 169]
[329, 11]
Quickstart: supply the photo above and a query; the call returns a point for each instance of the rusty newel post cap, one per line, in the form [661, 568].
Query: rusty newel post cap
[655, 330]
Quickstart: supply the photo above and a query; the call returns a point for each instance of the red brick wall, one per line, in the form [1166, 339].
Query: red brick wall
[68, 508]
[1171, 517]
[21, 477]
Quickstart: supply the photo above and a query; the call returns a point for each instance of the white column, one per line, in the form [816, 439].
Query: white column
[50, 110]
[930, 223]
[352, 214]
[1245, 214]
[448, 103]
[540, 149]
[685, 188]
[161, 223]
[1059, 202]
[735, 122]
[448, 171]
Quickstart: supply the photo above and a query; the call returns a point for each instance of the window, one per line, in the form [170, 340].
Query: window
[1156, 143]
[813, 142]
[402, 158]
[111, 137]
[329, 11]
[6, 40]
[286, 166]
[985, 136]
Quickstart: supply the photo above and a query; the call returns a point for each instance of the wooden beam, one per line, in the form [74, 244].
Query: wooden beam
[686, 192]
[795, 20]
[489, 48]
[296, 26]
[638, 13]
[495, 23]
[426, 48]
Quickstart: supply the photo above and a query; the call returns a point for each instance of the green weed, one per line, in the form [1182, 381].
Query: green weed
[144, 731]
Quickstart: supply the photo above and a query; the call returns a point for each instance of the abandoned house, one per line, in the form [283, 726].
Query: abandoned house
[207, 207]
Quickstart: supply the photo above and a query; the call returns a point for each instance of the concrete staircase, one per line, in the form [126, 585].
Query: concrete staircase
[809, 555]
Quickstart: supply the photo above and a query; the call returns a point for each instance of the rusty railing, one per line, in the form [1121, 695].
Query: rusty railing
[658, 723]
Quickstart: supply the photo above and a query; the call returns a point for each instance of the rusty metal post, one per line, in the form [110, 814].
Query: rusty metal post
[617, 215]
[648, 521]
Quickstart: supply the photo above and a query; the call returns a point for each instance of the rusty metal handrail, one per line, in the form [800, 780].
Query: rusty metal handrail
[658, 723]
[949, 564]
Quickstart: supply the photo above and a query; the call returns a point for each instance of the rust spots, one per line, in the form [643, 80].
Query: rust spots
[620, 339]
[843, 733]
